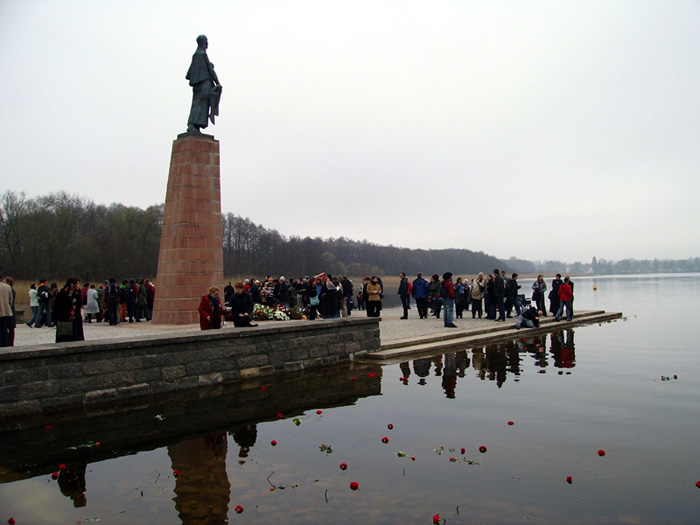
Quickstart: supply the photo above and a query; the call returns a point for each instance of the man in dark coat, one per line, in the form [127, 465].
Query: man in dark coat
[403, 294]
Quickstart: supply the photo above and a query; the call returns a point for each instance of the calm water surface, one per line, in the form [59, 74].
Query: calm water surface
[568, 393]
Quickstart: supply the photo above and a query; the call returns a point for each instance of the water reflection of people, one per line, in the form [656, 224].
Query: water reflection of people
[405, 369]
[479, 363]
[449, 378]
[245, 438]
[462, 359]
[496, 363]
[72, 483]
[422, 369]
[563, 349]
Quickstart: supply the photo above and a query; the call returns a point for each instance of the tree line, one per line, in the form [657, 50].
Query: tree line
[61, 235]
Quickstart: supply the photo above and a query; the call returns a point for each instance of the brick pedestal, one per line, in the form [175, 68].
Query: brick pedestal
[191, 257]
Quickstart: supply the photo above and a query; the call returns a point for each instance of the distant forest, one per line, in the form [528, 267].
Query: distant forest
[60, 235]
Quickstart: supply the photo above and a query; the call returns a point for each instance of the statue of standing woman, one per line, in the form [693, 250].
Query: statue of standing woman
[206, 90]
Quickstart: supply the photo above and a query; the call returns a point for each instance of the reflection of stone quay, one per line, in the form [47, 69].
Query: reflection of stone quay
[41, 379]
[35, 444]
[58, 401]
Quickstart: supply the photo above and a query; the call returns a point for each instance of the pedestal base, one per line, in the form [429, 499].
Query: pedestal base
[191, 257]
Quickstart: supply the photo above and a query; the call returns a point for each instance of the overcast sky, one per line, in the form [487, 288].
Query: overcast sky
[535, 129]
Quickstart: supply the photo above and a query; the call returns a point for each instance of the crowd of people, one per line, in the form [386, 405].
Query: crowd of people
[493, 296]
[66, 308]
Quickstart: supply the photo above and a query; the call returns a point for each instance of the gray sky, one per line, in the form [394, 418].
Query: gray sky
[535, 129]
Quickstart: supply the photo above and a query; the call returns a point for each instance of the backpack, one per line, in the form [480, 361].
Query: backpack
[129, 292]
[443, 291]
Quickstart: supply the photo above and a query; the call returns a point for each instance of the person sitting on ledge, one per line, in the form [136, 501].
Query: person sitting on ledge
[241, 306]
[530, 318]
[210, 310]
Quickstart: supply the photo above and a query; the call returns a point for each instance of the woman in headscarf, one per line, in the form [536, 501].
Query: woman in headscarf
[210, 310]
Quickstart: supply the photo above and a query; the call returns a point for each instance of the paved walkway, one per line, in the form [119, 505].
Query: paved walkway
[392, 328]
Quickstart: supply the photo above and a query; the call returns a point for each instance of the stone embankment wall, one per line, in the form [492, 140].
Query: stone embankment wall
[41, 379]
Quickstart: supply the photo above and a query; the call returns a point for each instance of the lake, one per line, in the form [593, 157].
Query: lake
[273, 449]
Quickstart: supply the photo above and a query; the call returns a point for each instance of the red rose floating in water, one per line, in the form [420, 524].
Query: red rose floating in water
[453, 459]
[569, 480]
[54, 475]
[697, 484]
[601, 452]
[413, 458]
[482, 449]
[463, 450]
[280, 416]
[390, 426]
[436, 519]
[62, 466]
[385, 440]
[176, 473]
[273, 443]
[343, 466]
[511, 423]
[11, 521]
[263, 388]
[238, 509]
[371, 374]
[319, 412]
[48, 427]
[354, 485]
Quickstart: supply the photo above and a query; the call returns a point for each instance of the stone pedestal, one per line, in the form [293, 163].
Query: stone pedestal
[191, 257]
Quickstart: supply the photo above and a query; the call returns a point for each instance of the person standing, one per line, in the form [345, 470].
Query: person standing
[329, 300]
[539, 287]
[33, 304]
[67, 311]
[512, 288]
[92, 306]
[44, 296]
[8, 321]
[490, 298]
[566, 295]
[499, 289]
[112, 299]
[447, 291]
[554, 295]
[403, 294]
[241, 306]
[478, 289]
[210, 310]
[435, 300]
[374, 297]
[420, 294]
[142, 301]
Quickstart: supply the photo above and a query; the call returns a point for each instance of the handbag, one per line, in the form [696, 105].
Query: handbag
[313, 301]
[64, 329]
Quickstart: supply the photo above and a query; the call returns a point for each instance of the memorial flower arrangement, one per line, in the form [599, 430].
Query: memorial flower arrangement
[276, 313]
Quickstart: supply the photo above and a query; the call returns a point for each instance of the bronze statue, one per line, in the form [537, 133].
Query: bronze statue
[206, 89]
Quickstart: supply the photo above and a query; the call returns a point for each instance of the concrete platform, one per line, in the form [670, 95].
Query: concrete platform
[414, 337]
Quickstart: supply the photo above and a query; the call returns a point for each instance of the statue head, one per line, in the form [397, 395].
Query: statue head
[202, 41]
